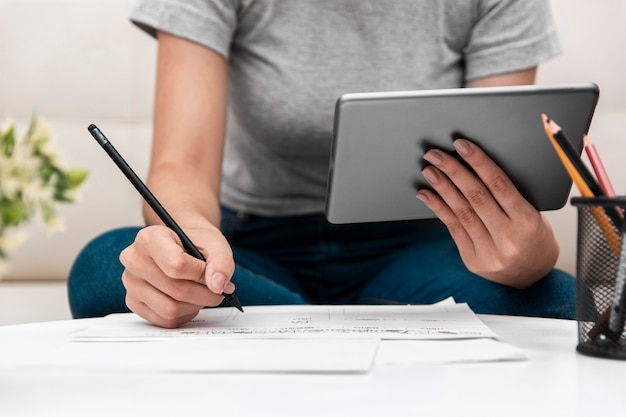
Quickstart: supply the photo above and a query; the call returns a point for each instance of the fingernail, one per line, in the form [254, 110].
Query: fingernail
[229, 288]
[462, 146]
[431, 175]
[424, 197]
[434, 157]
[218, 282]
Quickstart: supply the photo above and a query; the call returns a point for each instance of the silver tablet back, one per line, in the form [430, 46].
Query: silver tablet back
[380, 138]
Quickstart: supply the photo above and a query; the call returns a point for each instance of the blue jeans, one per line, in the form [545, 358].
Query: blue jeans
[306, 260]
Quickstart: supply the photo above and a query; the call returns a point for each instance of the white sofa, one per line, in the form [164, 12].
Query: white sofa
[76, 62]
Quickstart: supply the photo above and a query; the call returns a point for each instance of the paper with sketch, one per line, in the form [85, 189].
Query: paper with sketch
[438, 321]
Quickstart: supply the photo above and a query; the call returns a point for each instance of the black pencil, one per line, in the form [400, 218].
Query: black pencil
[575, 158]
[165, 217]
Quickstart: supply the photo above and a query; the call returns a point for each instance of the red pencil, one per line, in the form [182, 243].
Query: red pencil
[598, 168]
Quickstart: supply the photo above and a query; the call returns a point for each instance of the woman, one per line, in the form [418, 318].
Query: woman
[242, 127]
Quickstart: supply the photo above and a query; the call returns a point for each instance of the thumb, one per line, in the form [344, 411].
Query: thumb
[220, 265]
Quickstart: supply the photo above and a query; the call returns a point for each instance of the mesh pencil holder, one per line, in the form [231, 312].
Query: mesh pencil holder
[600, 276]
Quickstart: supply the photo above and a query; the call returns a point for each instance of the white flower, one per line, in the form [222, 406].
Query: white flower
[32, 182]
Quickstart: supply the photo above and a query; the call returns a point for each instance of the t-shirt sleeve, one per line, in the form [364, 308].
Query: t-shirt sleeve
[510, 35]
[208, 23]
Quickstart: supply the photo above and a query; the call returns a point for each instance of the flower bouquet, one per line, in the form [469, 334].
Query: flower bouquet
[32, 182]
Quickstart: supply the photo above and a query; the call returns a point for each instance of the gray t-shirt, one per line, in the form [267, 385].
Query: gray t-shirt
[289, 61]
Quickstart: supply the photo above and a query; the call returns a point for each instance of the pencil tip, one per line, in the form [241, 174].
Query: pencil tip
[234, 300]
[552, 125]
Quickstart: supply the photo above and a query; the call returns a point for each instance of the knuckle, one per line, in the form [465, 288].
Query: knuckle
[499, 184]
[170, 311]
[454, 227]
[126, 256]
[131, 302]
[509, 251]
[466, 215]
[144, 235]
[478, 197]
[174, 265]
[126, 279]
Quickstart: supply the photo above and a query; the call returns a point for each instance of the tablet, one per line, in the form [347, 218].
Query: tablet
[379, 140]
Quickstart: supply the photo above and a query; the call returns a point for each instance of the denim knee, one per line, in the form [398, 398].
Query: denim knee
[94, 283]
[553, 296]
[557, 295]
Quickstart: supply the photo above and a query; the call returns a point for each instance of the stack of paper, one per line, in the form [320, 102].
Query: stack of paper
[347, 338]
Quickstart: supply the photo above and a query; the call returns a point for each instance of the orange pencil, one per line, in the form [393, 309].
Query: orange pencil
[572, 154]
[582, 186]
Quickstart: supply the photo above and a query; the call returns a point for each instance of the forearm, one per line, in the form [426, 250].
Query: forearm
[190, 201]
[189, 130]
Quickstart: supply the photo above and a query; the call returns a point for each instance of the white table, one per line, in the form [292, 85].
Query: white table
[555, 381]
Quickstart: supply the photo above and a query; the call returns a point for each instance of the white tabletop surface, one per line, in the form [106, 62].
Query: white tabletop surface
[554, 381]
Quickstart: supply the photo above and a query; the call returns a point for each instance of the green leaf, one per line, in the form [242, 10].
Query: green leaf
[13, 213]
[73, 178]
[68, 181]
[7, 141]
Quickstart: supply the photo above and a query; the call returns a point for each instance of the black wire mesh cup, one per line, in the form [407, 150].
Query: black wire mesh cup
[601, 276]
